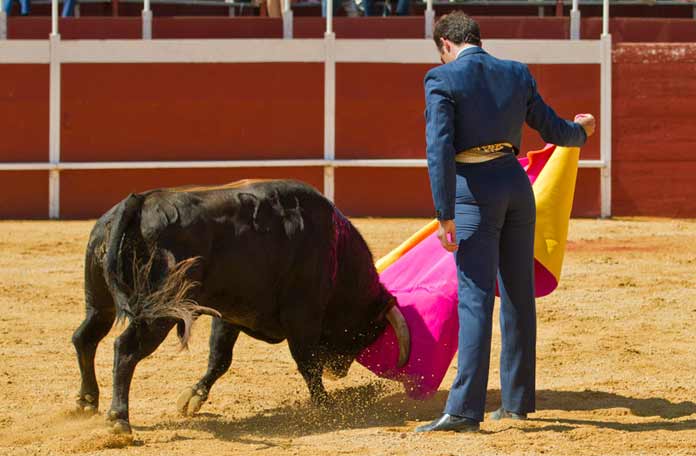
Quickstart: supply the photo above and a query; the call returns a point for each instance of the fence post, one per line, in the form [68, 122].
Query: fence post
[329, 101]
[147, 20]
[54, 116]
[575, 21]
[605, 115]
[287, 20]
[429, 19]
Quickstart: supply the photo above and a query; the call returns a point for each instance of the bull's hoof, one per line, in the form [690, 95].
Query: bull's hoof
[335, 373]
[191, 400]
[120, 427]
[86, 405]
[89, 410]
[331, 375]
[117, 425]
[337, 367]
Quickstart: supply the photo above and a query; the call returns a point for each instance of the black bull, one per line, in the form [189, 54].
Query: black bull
[273, 259]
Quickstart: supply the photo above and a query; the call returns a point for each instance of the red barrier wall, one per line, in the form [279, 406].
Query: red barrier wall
[379, 107]
[213, 111]
[361, 27]
[654, 130]
[192, 111]
[405, 192]
[216, 27]
[23, 113]
[86, 28]
[23, 194]
[23, 138]
[379, 110]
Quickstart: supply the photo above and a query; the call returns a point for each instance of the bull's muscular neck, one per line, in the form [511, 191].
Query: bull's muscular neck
[206, 188]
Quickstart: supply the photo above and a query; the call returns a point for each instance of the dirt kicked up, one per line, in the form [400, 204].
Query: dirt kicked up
[616, 363]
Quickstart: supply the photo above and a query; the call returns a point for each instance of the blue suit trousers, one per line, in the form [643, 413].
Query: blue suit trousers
[495, 215]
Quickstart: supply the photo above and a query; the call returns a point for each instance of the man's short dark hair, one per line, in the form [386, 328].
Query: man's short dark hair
[457, 27]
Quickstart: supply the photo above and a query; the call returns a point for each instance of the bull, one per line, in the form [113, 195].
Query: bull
[273, 259]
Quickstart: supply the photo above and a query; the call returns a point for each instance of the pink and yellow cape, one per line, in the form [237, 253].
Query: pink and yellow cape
[422, 275]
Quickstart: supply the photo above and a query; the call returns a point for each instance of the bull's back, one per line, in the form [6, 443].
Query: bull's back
[250, 233]
[242, 200]
[256, 186]
[264, 221]
[240, 184]
[265, 243]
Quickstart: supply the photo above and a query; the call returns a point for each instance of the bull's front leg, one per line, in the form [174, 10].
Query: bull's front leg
[223, 336]
[311, 366]
[138, 341]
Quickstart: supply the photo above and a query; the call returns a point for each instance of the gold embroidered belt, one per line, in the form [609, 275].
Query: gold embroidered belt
[481, 154]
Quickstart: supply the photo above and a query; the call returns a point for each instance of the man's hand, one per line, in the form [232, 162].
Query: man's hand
[586, 121]
[447, 233]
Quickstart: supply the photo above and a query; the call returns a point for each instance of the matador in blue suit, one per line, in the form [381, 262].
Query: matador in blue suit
[476, 106]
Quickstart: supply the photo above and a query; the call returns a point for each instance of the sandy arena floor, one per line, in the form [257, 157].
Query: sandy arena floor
[616, 369]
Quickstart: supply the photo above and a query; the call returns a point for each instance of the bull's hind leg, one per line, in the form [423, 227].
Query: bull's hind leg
[138, 341]
[86, 338]
[222, 339]
[96, 325]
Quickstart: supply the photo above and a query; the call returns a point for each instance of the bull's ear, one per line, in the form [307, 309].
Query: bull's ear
[263, 217]
[256, 211]
[167, 212]
[158, 213]
[248, 201]
[247, 208]
[292, 220]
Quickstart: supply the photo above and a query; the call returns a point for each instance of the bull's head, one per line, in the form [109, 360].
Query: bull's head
[338, 364]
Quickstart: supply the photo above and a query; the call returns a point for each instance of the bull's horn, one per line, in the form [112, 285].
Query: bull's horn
[398, 322]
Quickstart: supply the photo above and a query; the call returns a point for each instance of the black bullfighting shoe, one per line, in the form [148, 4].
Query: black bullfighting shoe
[501, 413]
[450, 423]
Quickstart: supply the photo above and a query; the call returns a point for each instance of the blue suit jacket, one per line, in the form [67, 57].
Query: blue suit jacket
[478, 100]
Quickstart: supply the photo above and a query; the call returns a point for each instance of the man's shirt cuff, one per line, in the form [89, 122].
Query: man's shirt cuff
[444, 215]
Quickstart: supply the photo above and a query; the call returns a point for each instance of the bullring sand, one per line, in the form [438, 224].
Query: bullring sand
[616, 363]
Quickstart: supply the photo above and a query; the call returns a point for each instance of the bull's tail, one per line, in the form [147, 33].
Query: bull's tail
[170, 297]
[151, 296]
[124, 214]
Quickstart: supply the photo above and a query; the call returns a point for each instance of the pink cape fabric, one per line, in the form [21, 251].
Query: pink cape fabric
[424, 280]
